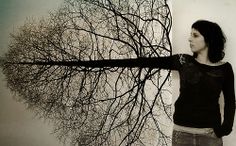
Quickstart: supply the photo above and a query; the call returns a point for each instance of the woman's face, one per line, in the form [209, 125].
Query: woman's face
[197, 42]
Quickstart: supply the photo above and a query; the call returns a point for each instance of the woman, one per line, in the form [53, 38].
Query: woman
[203, 76]
[197, 118]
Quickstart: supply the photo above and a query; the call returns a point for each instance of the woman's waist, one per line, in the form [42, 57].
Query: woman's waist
[192, 130]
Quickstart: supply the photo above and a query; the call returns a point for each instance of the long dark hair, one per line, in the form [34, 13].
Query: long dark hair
[214, 38]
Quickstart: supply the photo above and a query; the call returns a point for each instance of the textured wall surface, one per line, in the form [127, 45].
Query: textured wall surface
[18, 125]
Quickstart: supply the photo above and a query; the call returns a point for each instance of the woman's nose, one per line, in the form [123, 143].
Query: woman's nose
[190, 39]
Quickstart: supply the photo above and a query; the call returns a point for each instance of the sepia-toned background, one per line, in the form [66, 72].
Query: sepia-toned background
[20, 127]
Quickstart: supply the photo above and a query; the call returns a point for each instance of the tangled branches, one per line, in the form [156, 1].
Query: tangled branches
[96, 105]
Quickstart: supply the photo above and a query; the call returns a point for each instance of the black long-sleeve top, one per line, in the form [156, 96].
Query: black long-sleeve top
[200, 87]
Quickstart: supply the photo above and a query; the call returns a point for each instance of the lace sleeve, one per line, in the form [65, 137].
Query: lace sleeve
[174, 62]
[182, 59]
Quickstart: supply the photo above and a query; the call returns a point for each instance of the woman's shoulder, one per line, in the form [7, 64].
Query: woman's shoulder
[220, 63]
[184, 58]
[228, 66]
[228, 70]
[183, 55]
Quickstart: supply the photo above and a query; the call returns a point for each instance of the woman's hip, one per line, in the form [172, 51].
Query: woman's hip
[180, 138]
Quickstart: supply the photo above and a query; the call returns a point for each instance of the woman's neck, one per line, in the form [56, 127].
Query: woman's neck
[203, 58]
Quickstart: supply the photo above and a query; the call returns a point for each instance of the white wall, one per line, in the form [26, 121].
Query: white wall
[185, 12]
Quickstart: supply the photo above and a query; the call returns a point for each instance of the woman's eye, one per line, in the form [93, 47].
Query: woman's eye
[195, 35]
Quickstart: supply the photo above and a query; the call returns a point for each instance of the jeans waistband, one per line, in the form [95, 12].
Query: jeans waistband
[193, 130]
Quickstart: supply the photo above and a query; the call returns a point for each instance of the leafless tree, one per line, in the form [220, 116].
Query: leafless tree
[81, 68]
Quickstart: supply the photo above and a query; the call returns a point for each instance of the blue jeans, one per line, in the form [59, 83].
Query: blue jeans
[188, 139]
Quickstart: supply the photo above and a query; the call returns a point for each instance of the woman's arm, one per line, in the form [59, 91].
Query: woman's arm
[229, 100]
[169, 62]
